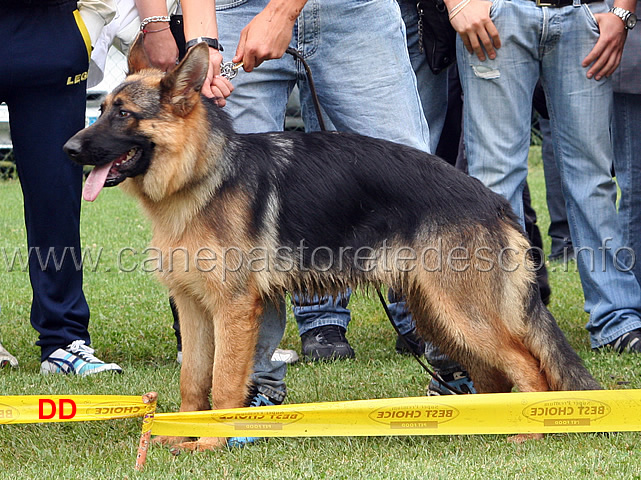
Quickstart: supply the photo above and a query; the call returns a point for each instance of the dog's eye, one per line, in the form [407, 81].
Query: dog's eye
[124, 113]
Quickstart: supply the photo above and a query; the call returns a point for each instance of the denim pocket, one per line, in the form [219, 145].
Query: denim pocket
[496, 4]
[227, 4]
[592, 21]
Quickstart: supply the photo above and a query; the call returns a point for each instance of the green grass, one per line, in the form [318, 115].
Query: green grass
[131, 325]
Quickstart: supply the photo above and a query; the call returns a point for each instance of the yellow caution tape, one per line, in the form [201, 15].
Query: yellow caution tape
[69, 408]
[540, 412]
[504, 413]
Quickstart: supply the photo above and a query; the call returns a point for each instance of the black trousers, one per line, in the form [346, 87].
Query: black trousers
[44, 57]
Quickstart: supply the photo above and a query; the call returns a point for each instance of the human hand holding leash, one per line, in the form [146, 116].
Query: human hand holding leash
[216, 86]
[199, 18]
[472, 22]
[268, 35]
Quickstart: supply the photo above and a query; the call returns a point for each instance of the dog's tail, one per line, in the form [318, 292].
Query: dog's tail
[561, 365]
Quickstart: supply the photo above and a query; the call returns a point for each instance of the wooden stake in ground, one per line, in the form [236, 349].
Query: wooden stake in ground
[151, 399]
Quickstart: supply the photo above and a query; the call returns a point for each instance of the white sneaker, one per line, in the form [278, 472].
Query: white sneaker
[76, 359]
[6, 358]
[287, 356]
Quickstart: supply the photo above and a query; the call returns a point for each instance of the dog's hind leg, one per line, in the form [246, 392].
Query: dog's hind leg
[236, 328]
[475, 335]
[489, 380]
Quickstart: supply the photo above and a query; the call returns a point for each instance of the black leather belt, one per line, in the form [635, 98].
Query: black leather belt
[34, 3]
[560, 3]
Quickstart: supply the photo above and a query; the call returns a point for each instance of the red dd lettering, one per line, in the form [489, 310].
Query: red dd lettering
[41, 403]
[62, 403]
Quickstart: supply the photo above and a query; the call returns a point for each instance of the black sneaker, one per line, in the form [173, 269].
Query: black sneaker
[629, 342]
[327, 342]
[415, 342]
[562, 250]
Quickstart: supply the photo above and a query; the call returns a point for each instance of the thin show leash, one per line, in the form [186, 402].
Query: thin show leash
[230, 70]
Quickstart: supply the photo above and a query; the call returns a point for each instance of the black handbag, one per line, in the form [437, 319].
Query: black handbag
[437, 38]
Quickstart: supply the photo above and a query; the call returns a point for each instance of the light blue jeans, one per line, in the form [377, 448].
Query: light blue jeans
[551, 43]
[357, 52]
[626, 131]
[433, 92]
[559, 231]
[315, 312]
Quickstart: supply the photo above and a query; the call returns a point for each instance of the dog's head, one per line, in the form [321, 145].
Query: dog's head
[143, 122]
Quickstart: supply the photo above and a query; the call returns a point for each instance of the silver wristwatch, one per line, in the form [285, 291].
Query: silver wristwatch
[629, 18]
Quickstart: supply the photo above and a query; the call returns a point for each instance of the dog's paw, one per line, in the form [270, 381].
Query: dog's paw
[524, 437]
[202, 444]
[169, 441]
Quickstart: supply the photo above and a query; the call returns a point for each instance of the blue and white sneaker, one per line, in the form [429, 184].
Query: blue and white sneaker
[257, 399]
[459, 380]
[6, 358]
[76, 359]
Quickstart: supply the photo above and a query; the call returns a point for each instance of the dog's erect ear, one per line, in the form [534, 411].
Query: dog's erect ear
[138, 59]
[182, 85]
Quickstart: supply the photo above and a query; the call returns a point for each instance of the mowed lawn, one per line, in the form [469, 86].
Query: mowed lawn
[131, 325]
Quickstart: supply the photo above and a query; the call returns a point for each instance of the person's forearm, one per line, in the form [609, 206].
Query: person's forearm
[159, 42]
[290, 8]
[199, 17]
[151, 8]
[629, 5]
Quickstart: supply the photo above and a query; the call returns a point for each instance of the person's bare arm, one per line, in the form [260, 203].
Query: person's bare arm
[159, 42]
[268, 35]
[199, 20]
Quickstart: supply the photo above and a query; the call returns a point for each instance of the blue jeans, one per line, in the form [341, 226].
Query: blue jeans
[364, 86]
[551, 43]
[559, 230]
[627, 166]
[432, 89]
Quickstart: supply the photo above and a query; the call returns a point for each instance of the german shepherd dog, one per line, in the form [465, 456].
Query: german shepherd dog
[248, 217]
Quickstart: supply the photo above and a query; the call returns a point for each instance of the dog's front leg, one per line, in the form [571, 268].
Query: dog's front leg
[236, 329]
[198, 341]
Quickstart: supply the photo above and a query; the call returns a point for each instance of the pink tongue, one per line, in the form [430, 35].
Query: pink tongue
[95, 181]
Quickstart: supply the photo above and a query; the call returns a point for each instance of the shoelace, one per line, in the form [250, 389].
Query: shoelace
[85, 352]
[260, 400]
[627, 341]
[331, 334]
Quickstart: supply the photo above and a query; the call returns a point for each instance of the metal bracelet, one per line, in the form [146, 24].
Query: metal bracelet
[157, 18]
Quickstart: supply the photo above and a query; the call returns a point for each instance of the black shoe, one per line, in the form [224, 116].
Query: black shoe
[415, 342]
[629, 342]
[561, 251]
[326, 343]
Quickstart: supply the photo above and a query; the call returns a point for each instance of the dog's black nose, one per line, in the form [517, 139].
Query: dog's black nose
[72, 147]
